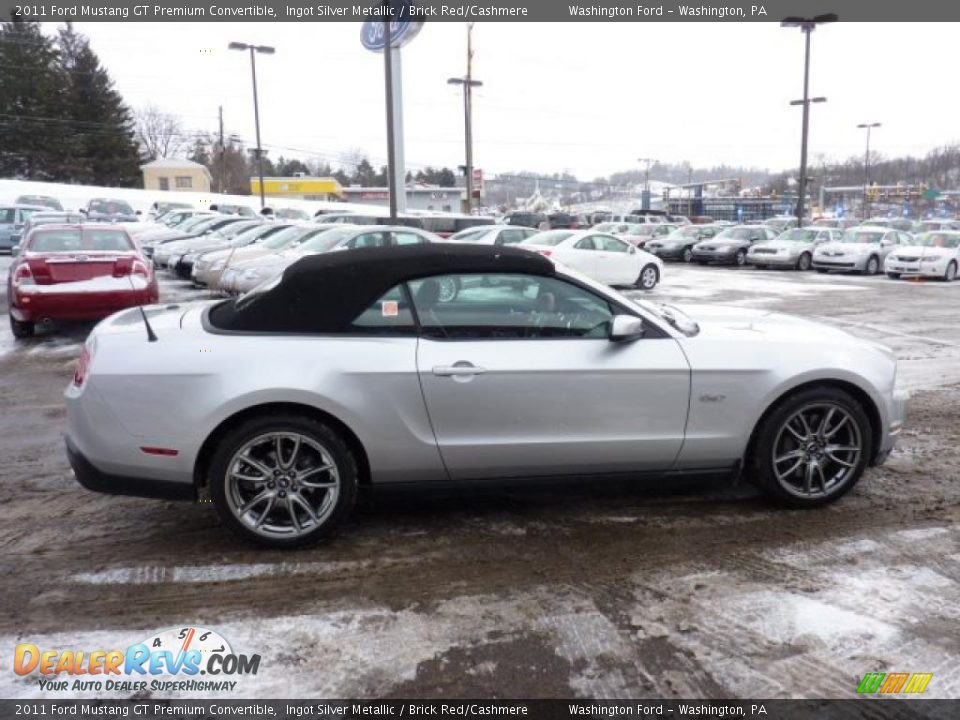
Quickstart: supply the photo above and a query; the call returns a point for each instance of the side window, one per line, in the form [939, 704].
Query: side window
[408, 238]
[8, 216]
[611, 244]
[374, 239]
[512, 237]
[389, 315]
[507, 307]
[586, 244]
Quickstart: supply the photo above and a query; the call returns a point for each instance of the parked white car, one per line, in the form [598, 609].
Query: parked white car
[603, 257]
[932, 254]
[861, 249]
[792, 248]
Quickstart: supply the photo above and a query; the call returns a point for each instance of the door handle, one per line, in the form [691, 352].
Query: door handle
[458, 370]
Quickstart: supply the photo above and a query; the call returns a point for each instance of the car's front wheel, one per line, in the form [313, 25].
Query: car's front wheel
[804, 262]
[649, 277]
[741, 258]
[283, 480]
[893, 275]
[872, 266]
[812, 448]
[687, 254]
[21, 329]
[951, 272]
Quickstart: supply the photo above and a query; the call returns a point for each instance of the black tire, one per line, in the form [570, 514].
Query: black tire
[687, 254]
[21, 329]
[648, 278]
[255, 427]
[760, 267]
[951, 273]
[701, 262]
[740, 258]
[821, 270]
[873, 265]
[893, 276]
[804, 262]
[771, 428]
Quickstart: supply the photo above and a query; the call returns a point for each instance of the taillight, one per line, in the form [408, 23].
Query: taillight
[141, 269]
[22, 275]
[80, 374]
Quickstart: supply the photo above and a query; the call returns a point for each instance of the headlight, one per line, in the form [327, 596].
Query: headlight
[931, 258]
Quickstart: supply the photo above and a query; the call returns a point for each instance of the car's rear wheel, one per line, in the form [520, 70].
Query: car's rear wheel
[804, 262]
[21, 329]
[687, 254]
[872, 266]
[649, 277]
[741, 258]
[812, 448]
[951, 272]
[283, 480]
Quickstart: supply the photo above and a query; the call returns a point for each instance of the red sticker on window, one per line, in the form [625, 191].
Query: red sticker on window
[389, 308]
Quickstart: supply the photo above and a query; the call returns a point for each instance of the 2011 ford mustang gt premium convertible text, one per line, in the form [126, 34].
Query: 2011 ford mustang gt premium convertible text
[446, 362]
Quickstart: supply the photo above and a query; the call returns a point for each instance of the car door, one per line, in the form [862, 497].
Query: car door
[520, 379]
[580, 254]
[617, 262]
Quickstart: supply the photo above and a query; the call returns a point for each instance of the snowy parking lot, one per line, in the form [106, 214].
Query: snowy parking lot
[595, 590]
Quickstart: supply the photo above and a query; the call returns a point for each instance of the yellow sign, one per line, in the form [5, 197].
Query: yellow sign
[296, 187]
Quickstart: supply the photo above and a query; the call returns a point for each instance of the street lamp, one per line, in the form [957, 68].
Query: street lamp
[646, 182]
[806, 25]
[266, 50]
[866, 165]
[468, 84]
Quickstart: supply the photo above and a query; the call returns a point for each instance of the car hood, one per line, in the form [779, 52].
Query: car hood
[846, 248]
[922, 250]
[783, 245]
[726, 322]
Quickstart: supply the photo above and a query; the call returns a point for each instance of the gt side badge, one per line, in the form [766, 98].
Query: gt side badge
[711, 397]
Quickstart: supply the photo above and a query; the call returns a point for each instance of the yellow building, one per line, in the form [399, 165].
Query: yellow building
[175, 174]
[300, 188]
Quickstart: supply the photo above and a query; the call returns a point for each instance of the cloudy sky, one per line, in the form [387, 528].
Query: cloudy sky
[585, 97]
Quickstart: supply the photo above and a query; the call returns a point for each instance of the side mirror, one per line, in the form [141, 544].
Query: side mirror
[626, 328]
[14, 251]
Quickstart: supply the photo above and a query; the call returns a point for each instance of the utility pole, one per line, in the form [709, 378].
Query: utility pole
[223, 154]
[468, 84]
[866, 166]
[807, 26]
[645, 203]
[266, 50]
[391, 140]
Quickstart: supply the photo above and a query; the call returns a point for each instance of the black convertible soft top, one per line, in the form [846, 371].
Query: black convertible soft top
[324, 293]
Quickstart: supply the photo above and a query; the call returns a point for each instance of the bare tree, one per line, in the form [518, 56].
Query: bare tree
[159, 134]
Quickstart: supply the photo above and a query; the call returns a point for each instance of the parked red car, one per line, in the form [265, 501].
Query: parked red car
[76, 272]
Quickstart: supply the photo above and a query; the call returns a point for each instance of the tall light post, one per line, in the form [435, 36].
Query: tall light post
[866, 166]
[265, 50]
[807, 26]
[646, 181]
[468, 84]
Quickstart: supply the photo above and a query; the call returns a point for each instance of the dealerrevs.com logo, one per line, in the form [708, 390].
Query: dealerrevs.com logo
[169, 661]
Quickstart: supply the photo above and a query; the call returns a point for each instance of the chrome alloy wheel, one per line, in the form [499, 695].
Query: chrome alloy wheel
[817, 450]
[282, 484]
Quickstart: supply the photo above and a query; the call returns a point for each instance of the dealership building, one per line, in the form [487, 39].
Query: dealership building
[441, 199]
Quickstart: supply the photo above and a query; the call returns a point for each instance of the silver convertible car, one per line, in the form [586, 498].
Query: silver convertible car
[357, 368]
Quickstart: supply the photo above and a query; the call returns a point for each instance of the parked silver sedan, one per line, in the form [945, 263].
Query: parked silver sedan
[353, 368]
[792, 248]
[861, 249]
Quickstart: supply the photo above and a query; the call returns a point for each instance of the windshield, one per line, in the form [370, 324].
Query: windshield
[862, 236]
[322, 240]
[252, 234]
[551, 238]
[291, 214]
[110, 207]
[606, 227]
[77, 240]
[737, 233]
[285, 237]
[938, 239]
[803, 235]
[471, 235]
[234, 229]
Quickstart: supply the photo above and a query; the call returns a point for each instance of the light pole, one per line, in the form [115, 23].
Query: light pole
[468, 84]
[866, 166]
[646, 182]
[254, 49]
[807, 26]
